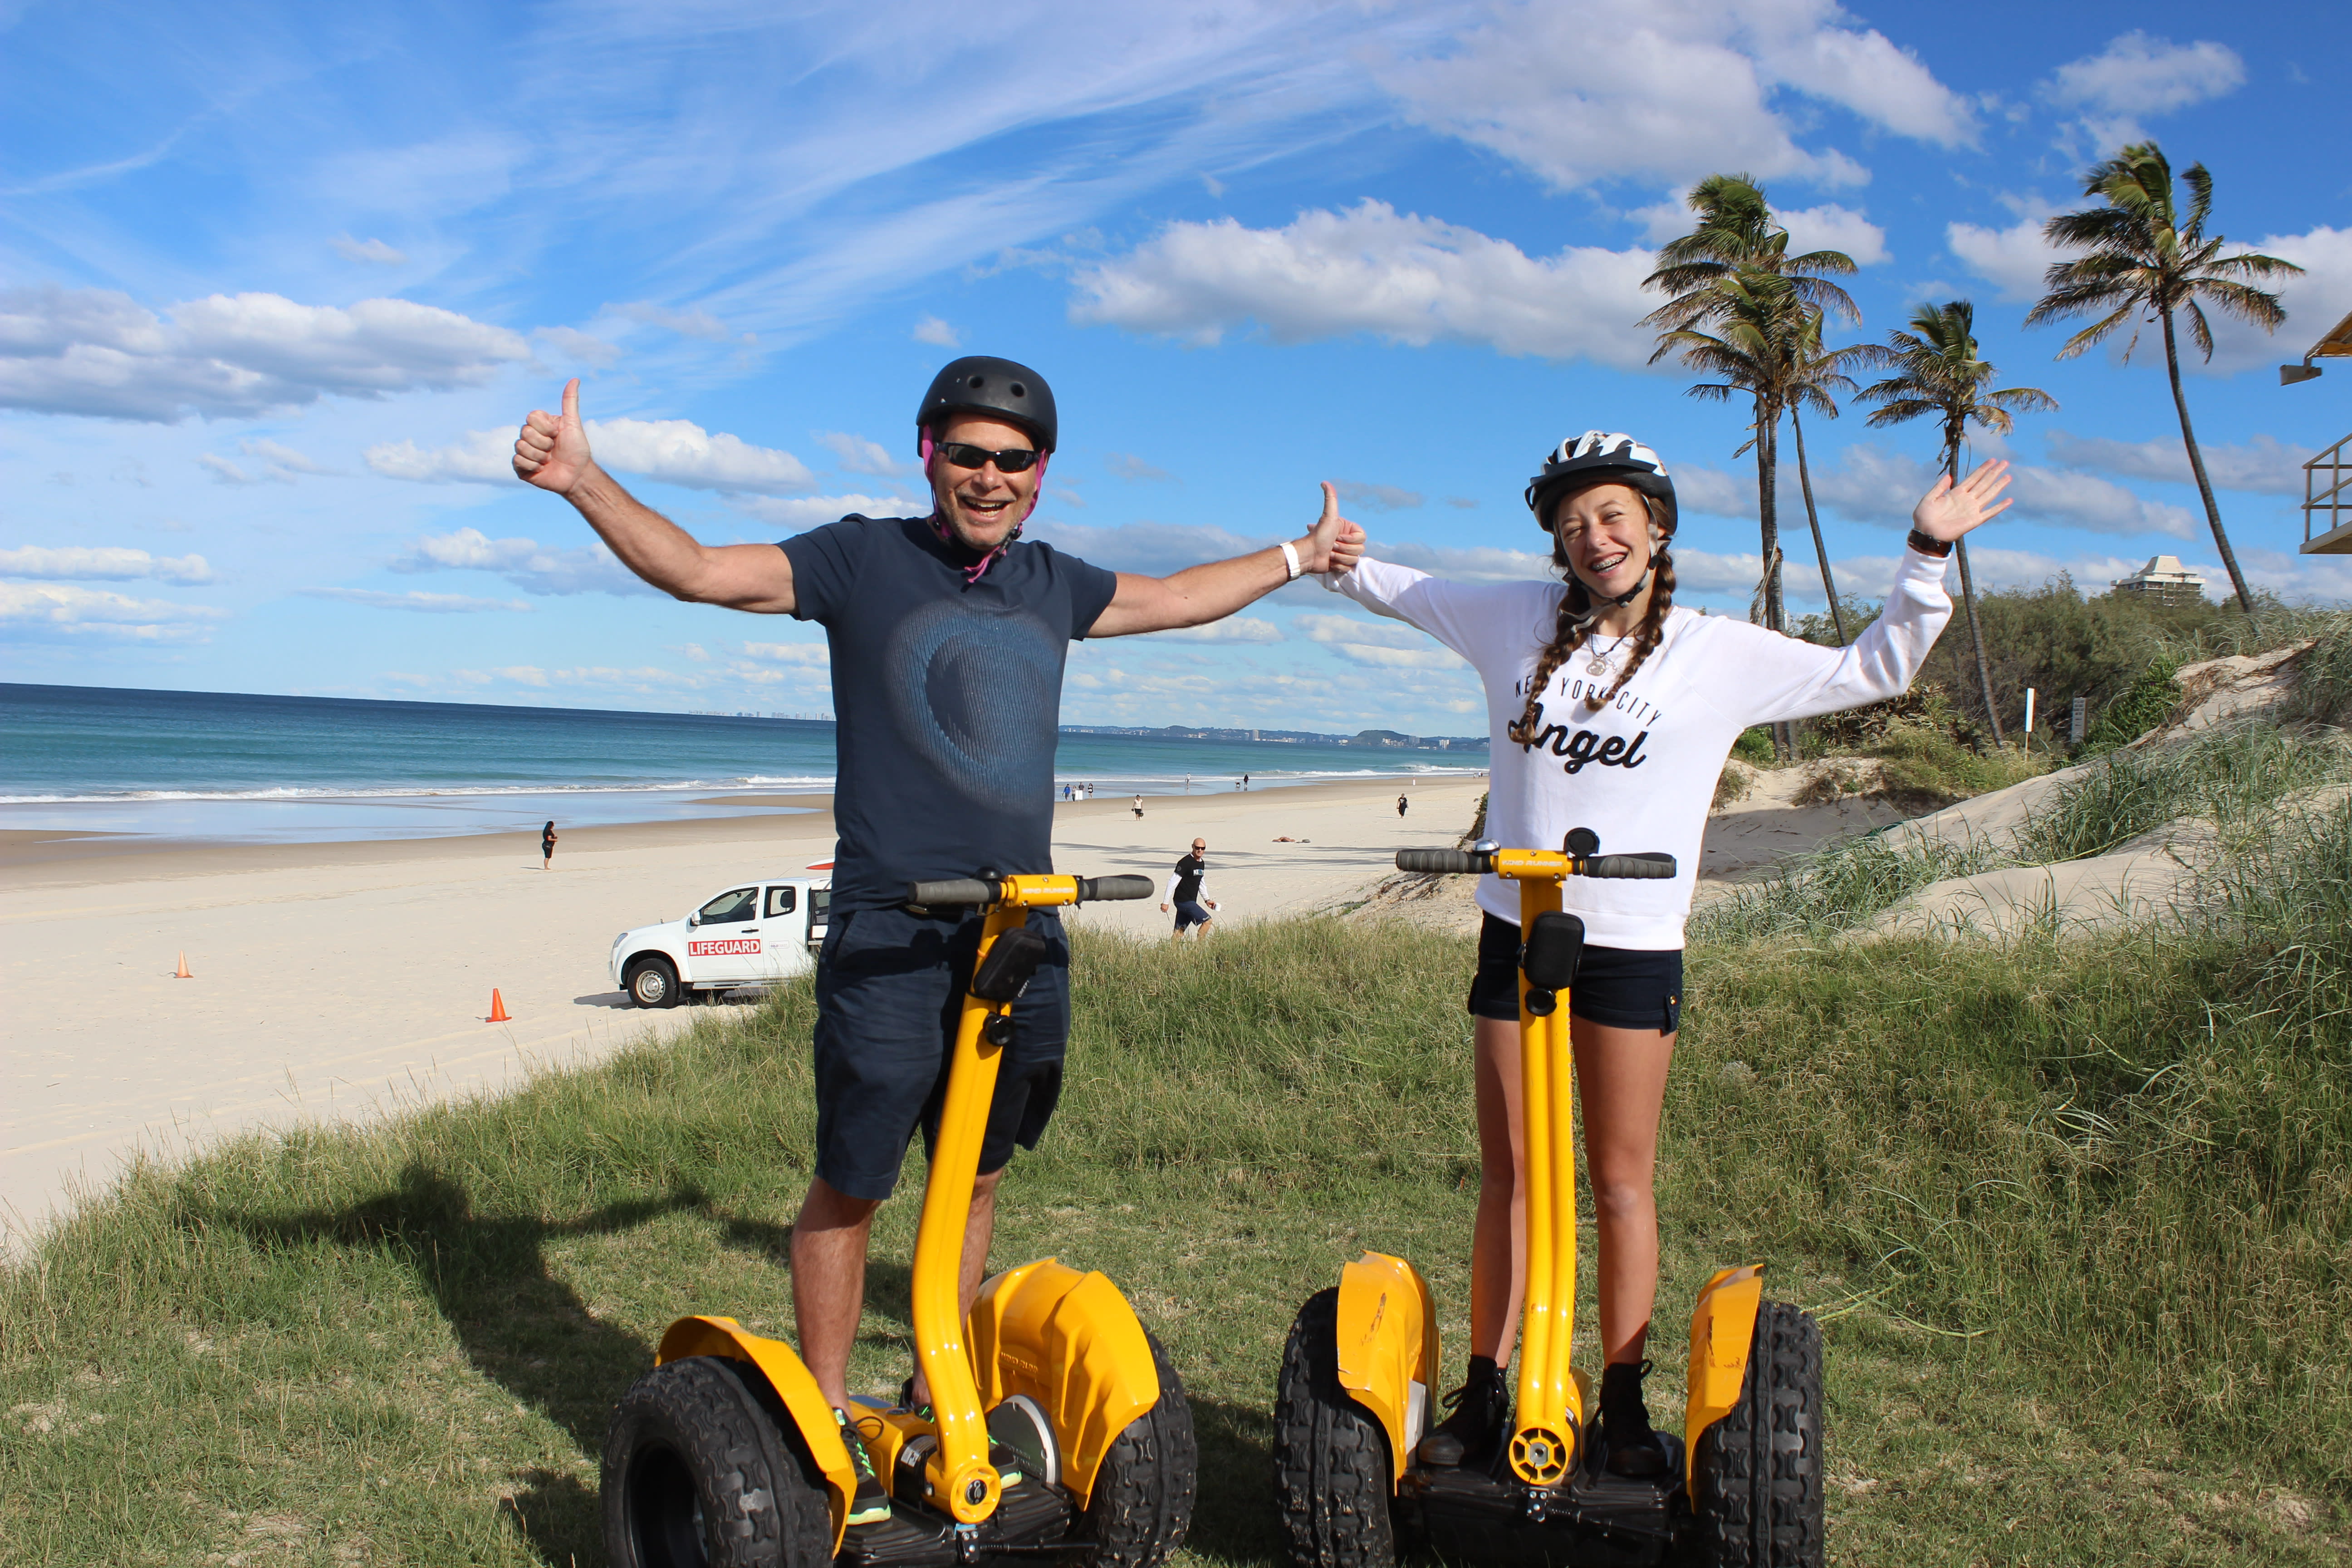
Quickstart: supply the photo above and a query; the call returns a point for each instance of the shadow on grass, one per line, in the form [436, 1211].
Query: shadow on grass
[1233, 1517]
[519, 1325]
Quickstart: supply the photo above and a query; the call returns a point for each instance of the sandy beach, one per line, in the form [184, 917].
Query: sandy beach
[334, 980]
[331, 980]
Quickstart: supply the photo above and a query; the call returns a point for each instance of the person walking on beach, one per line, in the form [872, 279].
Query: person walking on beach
[1184, 890]
[547, 845]
[1138, 808]
[949, 635]
[1399, 809]
[1612, 709]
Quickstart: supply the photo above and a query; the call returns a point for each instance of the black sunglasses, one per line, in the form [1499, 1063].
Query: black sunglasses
[1011, 460]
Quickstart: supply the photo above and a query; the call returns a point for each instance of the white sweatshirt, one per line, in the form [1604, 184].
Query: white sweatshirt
[1641, 772]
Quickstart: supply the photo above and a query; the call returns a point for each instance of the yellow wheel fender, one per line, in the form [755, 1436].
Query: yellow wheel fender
[786, 1373]
[1070, 1342]
[1723, 1331]
[1388, 1349]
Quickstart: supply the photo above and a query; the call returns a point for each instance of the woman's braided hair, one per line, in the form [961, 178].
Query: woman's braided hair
[1576, 619]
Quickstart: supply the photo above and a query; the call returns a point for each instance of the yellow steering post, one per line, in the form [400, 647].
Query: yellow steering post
[958, 1473]
[1549, 1412]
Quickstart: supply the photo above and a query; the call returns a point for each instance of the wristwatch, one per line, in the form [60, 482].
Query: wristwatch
[1929, 544]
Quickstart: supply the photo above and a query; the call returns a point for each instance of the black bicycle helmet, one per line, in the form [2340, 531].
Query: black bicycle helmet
[1598, 454]
[982, 383]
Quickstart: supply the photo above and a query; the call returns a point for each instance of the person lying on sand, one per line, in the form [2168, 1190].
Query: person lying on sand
[986, 619]
[1612, 709]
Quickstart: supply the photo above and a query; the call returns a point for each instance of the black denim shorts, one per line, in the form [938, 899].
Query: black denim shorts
[890, 988]
[1624, 987]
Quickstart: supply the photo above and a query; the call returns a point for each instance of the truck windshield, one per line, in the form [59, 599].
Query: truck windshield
[742, 904]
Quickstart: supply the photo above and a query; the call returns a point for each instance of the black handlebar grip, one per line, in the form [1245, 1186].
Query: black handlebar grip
[1650, 865]
[1455, 860]
[951, 893]
[1093, 887]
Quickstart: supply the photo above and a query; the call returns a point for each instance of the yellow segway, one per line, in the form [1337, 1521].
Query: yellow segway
[1057, 1430]
[1362, 1360]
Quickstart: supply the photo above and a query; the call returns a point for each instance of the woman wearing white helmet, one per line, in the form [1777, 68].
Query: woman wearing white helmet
[1612, 709]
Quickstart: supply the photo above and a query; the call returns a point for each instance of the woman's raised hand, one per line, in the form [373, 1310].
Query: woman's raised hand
[552, 451]
[1951, 509]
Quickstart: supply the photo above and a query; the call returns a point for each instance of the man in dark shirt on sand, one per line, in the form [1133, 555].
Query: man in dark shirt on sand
[949, 636]
[1184, 892]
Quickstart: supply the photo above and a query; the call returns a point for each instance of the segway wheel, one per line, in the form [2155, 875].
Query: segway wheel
[703, 1468]
[1142, 1501]
[1759, 1470]
[1331, 1465]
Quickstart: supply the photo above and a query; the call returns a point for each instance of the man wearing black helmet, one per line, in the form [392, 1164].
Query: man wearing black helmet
[948, 633]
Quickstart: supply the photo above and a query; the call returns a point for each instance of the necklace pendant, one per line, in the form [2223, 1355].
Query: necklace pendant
[1599, 667]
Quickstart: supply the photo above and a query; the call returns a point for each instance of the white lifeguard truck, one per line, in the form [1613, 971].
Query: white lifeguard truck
[753, 933]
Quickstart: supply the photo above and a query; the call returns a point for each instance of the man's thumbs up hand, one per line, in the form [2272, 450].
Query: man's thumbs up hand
[552, 451]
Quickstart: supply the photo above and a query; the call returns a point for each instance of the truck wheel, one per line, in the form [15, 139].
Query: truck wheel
[703, 1468]
[1142, 1501]
[1759, 1470]
[1331, 1465]
[654, 984]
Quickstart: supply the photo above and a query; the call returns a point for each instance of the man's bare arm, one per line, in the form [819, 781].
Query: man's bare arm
[552, 452]
[1202, 594]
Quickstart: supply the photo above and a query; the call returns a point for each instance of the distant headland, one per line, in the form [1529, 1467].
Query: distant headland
[1384, 738]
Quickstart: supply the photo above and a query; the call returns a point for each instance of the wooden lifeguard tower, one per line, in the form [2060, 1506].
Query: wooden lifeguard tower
[2327, 478]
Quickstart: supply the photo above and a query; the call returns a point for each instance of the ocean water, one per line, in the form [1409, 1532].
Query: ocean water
[237, 767]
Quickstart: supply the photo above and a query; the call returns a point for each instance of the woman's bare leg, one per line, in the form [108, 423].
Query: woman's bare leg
[1621, 1089]
[1498, 1255]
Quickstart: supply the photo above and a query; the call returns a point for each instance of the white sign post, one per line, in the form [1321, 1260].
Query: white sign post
[2029, 718]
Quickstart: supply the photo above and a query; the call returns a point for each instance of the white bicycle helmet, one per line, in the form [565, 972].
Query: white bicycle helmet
[1600, 454]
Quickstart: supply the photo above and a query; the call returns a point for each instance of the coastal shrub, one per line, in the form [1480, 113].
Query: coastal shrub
[1927, 765]
[2322, 693]
[2148, 701]
[1755, 746]
[1834, 889]
[2233, 775]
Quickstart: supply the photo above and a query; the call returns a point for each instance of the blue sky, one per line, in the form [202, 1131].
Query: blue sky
[277, 282]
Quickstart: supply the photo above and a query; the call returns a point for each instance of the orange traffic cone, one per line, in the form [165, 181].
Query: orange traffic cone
[498, 1008]
[184, 973]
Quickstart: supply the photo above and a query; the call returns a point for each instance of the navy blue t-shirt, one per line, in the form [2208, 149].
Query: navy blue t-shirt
[947, 698]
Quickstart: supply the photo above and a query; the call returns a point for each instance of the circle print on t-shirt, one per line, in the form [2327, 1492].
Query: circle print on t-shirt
[977, 693]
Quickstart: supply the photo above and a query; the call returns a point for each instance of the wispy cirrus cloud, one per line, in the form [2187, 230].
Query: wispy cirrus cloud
[40, 610]
[108, 563]
[422, 603]
[525, 562]
[672, 451]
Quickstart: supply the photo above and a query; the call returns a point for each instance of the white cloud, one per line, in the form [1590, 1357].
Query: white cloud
[931, 330]
[856, 455]
[1480, 563]
[430, 604]
[281, 456]
[47, 609]
[110, 563]
[803, 654]
[524, 562]
[228, 473]
[1232, 629]
[1871, 484]
[1128, 466]
[1833, 227]
[1153, 549]
[2137, 75]
[572, 343]
[2264, 464]
[1377, 497]
[1389, 645]
[1703, 572]
[1597, 91]
[799, 512]
[374, 250]
[1407, 279]
[97, 352]
[699, 324]
[672, 451]
[2015, 258]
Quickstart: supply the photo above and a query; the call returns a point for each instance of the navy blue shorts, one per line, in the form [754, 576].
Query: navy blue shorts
[1190, 913]
[1624, 987]
[889, 987]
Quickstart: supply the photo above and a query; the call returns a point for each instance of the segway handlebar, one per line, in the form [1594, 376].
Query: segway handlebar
[1033, 892]
[1537, 863]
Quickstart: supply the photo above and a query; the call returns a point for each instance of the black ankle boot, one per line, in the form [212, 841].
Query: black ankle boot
[1475, 1429]
[1632, 1448]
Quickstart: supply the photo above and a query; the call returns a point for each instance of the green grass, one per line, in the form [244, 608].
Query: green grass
[2075, 1217]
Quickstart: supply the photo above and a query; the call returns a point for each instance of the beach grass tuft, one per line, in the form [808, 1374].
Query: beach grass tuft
[2075, 1216]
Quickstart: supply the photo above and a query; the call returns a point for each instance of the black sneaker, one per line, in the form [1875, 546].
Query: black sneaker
[1007, 1462]
[870, 1503]
[1626, 1436]
[1472, 1435]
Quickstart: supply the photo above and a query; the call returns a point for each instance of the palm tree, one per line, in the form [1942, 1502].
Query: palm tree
[1702, 271]
[1939, 373]
[2141, 259]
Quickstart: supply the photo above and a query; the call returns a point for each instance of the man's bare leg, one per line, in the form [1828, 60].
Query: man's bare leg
[829, 1241]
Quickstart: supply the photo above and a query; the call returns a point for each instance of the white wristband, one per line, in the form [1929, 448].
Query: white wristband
[1290, 559]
